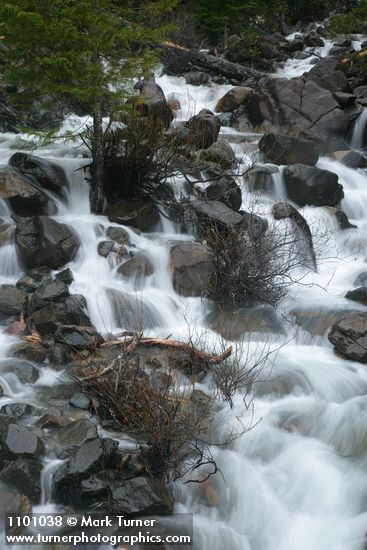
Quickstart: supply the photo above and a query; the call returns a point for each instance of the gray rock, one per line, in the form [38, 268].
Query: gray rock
[78, 337]
[260, 178]
[80, 401]
[192, 267]
[92, 456]
[196, 78]
[215, 212]
[16, 410]
[50, 317]
[74, 435]
[220, 153]
[142, 496]
[358, 295]
[12, 301]
[42, 241]
[138, 266]
[46, 174]
[141, 214]
[319, 320]
[225, 190]
[65, 276]
[233, 99]
[117, 234]
[281, 149]
[204, 129]
[18, 440]
[24, 198]
[361, 280]
[25, 475]
[349, 336]
[310, 185]
[50, 293]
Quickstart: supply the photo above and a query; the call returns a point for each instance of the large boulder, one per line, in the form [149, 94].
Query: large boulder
[12, 301]
[349, 336]
[138, 266]
[220, 153]
[45, 173]
[45, 294]
[142, 214]
[295, 101]
[280, 149]
[24, 198]
[192, 268]
[225, 190]
[260, 178]
[204, 129]
[42, 241]
[358, 295]
[68, 312]
[142, 496]
[233, 99]
[307, 185]
[152, 102]
[215, 212]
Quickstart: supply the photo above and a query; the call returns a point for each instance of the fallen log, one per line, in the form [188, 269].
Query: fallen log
[188, 60]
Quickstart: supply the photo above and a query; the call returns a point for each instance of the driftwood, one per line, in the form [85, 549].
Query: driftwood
[198, 60]
[130, 344]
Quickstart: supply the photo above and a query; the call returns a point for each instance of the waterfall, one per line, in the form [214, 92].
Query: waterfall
[359, 130]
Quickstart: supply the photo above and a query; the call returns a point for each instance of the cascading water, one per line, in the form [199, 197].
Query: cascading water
[359, 130]
[298, 479]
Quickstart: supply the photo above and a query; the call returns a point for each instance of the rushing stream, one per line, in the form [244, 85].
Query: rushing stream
[298, 479]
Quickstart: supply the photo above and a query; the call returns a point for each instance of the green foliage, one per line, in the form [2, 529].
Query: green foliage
[79, 49]
[350, 22]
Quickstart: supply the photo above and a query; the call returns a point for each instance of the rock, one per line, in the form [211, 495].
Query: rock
[117, 234]
[16, 410]
[312, 186]
[360, 91]
[318, 320]
[42, 241]
[260, 178]
[352, 159]
[234, 324]
[233, 99]
[281, 149]
[142, 214]
[225, 190]
[196, 78]
[343, 220]
[361, 280]
[12, 301]
[34, 278]
[192, 267]
[80, 401]
[25, 475]
[138, 266]
[104, 248]
[13, 502]
[26, 372]
[313, 40]
[349, 336]
[78, 337]
[93, 456]
[18, 440]
[152, 102]
[50, 293]
[68, 312]
[65, 276]
[204, 129]
[46, 174]
[344, 99]
[142, 496]
[334, 82]
[73, 436]
[220, 153]
[295, 99]
[217, 213]
[52, 421]
[23, 197]
[356, 295]
[174, 105]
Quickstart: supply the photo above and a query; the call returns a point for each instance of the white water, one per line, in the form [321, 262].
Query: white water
[359, 130]
[297, 480]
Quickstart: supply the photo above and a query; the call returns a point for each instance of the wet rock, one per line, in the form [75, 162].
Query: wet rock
[46, 174]
[192, 268]
[234, 324]
[318, 321]
[233, 99]
[225, 190]
[343, 220]
[349, 336]
[132, 314]
[361, 280]
[344, 99]
[152, 102]
[65, 276]
[92, 456]
[138, 266]
[196, 78]
[12, 301]
[281, 149]
[50, 317]
[48, 421]
[313, 40]
[13, 502]
[65, 439]
[352, 159]
[26, 372]
[141, 214]
[42, 241]
[141, 495]
[204, 129]
[25, 475]
[18, 440]
[80, 401]
[334, 82]
[23, 197]
[53, 292]
[260, 178]
[16, 410]
[312, 186]
[358, 295]
[78, 337]
[104, 248]
[34, 278]
[220, 153]
[215, 212]
[117, 234]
